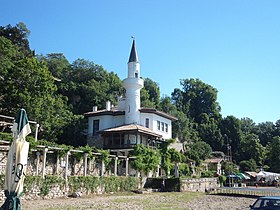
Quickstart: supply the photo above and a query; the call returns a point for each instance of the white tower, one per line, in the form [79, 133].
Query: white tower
[133, 84]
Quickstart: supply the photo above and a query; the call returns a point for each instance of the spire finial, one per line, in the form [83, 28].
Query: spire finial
[133, 54]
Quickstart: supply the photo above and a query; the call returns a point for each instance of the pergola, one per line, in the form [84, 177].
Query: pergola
[42, 152]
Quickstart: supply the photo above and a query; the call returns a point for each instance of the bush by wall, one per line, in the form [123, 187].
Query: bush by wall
[56, 186]
[166, 184]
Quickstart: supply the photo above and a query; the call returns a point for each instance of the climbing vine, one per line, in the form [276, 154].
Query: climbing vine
[146, 160]
[43, 184]
[105, 156]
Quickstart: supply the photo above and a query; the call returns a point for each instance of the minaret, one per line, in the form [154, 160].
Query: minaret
[133, 84]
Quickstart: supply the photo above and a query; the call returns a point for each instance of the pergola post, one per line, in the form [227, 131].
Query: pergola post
[102, 167]
[89, 165]
[36, 131]
[157, 172]
[116, 166]
[37, 162]
[85, 163]
[126, 166]
[45, 150]
[176, 170]
[66, 165]
[57, 164]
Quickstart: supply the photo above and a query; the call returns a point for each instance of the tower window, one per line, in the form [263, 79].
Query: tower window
[136, 74]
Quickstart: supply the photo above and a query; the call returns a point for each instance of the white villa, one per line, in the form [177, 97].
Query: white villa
[119, 128]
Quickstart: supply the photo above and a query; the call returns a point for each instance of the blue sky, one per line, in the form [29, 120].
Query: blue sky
[233, 46]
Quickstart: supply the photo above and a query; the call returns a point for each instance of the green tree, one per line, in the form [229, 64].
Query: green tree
[185, 129]
[277, 128]
[248, 165]
[59, 66]
[273, 154]
[266, 132]
[231, 131]
[165, 156]
[175, 156]
[209, 131]
[150, 94]
[27, 83]
[73, 132]
[199, 98]
[198, 113]
[229, 168]
[84, 83]
[247, 125]
[251, 148]
[18, 35]
[167, 106]
[180, 101]
[198, 151]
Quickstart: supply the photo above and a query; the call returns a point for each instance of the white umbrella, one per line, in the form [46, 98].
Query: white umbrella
[17, 161]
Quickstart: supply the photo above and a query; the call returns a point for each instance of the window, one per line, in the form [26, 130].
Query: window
[147, 122]
[166, 127]
[162, 126]
[136, 74]
[95, 127]
[158, 125]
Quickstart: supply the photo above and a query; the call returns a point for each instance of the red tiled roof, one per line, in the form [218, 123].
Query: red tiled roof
[131, 127]
[104, 112]
[115, 111]
[157, 112]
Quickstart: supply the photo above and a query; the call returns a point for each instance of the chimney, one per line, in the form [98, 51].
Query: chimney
[108, 105]
[94, 108]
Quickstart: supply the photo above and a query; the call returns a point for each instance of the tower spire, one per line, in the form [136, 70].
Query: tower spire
[133, 84]
[133, 53]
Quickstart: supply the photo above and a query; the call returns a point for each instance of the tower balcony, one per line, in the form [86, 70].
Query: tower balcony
[133, 83]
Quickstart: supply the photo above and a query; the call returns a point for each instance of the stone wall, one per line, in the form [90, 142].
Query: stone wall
[47, 188]
[182, 184]
[199, 185]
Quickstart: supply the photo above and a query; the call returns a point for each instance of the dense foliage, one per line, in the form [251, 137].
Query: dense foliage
[88, 184]
[56, 94]
[146, 160]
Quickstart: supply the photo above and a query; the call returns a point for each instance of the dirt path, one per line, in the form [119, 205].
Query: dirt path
[177, 201]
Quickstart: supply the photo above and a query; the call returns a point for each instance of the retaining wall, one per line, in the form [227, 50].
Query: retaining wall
[199, 185]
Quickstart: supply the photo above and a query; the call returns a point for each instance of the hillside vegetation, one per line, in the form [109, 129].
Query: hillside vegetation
[56, 93]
